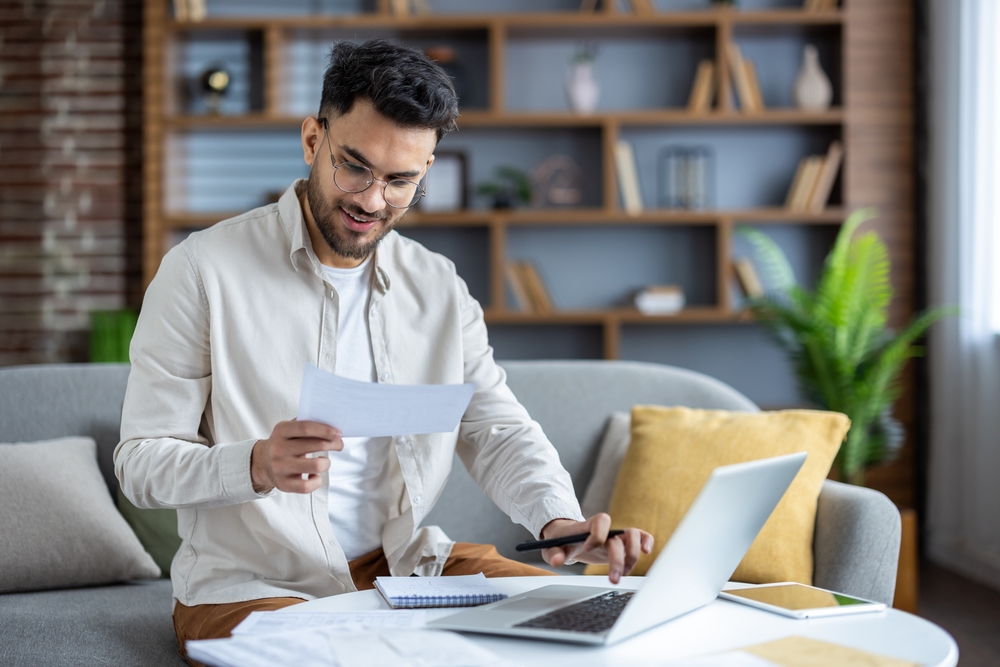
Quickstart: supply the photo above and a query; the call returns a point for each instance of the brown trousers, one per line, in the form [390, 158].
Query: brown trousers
[214, 621]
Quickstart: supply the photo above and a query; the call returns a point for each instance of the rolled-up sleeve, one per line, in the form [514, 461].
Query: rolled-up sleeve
[504, 450]
[165, 458]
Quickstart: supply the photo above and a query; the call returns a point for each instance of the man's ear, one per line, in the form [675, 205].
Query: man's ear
[313, 133]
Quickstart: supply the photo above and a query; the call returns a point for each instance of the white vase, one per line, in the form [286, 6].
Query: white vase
[813, 90]
[582, 88]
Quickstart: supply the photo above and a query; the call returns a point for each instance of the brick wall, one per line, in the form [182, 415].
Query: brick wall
[70, 169]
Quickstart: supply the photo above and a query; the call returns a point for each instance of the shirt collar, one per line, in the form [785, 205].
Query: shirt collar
[300, 245]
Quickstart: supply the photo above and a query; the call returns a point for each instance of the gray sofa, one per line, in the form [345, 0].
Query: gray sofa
[857, 530]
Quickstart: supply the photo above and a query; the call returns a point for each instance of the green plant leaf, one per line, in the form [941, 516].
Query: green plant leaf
[836, 338]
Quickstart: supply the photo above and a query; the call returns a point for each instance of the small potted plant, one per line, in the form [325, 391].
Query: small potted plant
[845, 357]
[511, 187]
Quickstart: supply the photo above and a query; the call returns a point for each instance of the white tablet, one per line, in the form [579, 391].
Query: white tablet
[800, 601]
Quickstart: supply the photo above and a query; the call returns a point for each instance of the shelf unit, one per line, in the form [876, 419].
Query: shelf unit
[271, 34]
[874, 118]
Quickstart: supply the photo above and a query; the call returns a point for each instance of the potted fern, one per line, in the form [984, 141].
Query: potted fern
[845, 357]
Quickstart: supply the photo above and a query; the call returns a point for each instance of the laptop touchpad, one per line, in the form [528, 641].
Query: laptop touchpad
[531, 604]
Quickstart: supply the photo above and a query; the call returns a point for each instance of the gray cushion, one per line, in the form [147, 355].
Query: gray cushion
[856, 542]
[61, 527]
[126, 624]
[59, 400]
[614, 446]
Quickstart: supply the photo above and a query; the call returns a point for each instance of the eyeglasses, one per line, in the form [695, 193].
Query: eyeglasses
[353, 178]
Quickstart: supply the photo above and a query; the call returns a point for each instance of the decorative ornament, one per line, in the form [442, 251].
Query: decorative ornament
[582, 88]
[813, 90]
[559, 181]
[214, 83]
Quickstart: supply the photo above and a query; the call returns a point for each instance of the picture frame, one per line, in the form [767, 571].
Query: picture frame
[446, 183]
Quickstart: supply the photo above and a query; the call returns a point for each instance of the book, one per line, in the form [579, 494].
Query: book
[660, 300]
[196, 10]
[461, 591]
[517, 287]
[700, 99]
[628, 178]
[826, 178]
[796, 181]
[746, 276]
[180, 10]
[798, 197]
[751, 74]
[738, 75]
[535, 288]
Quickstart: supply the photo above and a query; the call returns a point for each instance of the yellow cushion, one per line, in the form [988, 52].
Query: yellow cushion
[673, 451]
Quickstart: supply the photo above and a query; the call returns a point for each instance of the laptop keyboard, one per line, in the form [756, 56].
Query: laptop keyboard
[593, 615]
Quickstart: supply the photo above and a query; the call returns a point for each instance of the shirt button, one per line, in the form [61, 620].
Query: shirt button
[418, 499]
[374, 309]
[383, 377]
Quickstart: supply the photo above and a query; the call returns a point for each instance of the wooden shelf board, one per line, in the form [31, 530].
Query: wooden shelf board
[477, 118]
[696, 315]
[555, 217]
[524, 20]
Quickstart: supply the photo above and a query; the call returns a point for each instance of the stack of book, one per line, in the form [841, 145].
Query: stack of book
[660, 300]
[528, 288]
[814, 180]
[744, 75]
[703, 88]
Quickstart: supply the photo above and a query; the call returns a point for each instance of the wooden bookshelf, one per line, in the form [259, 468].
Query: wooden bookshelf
[874, 43]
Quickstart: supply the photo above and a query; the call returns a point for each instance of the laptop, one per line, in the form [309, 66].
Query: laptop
[689, 572]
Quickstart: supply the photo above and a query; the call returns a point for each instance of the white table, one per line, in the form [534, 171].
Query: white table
[719, 626]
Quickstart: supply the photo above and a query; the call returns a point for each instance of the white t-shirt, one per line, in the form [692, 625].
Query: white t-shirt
[359, 498]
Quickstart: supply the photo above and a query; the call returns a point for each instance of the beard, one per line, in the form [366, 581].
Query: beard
[345, 242]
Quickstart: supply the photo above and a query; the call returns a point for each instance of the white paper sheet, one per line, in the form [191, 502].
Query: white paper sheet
[414, 648]
[373, 410]
[264, 622]
[358, 648]
[308, 648]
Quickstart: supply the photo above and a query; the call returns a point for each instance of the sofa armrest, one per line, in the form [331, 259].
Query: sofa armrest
[856, 543]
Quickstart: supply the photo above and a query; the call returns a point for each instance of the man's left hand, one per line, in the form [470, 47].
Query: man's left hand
[621, 552]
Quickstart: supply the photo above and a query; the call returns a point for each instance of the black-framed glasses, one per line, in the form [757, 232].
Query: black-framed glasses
[353, 178]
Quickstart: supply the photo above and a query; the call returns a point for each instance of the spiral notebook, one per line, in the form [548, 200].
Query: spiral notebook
[463, 591]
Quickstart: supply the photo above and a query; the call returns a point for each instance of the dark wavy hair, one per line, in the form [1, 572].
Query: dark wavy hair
[401, 83]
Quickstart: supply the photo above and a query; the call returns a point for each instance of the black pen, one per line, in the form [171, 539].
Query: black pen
[560, 541]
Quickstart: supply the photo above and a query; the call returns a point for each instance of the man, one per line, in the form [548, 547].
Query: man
[235, 313]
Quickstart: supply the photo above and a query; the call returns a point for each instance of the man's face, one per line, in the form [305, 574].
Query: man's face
[352, 224]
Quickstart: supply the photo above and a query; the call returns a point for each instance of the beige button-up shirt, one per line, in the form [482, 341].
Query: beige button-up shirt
[227, 326]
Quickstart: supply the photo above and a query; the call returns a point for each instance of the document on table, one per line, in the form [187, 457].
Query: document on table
[365, 648]
[795, 652]
[373, 410]
[265, 622]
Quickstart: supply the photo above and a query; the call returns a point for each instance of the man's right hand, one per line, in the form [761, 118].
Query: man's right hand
[281, 462]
